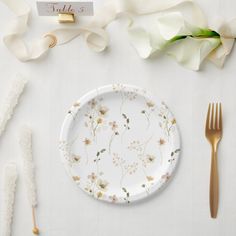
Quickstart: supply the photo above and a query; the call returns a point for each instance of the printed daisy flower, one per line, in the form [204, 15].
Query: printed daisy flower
[76, 158]
[87, 141]
[99, 121]
[102, 184]
[93, 103]
[166, 176]
[150, 104]
[103, 110]
[92, 177]
[76, 178]
[150, 158]
[99, 195]
[161, 141]
[149, 178]
[113, 198]
[113, 125]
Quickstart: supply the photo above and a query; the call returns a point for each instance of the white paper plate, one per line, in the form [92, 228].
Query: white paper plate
[119, 143]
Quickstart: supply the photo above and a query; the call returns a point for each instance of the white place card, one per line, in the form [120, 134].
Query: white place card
[54, 8]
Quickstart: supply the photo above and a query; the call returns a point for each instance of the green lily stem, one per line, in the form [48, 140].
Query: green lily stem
[206, 33]
[201, 33]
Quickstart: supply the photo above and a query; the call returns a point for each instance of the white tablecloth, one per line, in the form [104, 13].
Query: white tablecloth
[68, 72]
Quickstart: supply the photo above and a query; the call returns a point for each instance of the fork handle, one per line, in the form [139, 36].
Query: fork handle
[214, 184]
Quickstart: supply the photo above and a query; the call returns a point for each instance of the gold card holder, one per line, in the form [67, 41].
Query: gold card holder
[66, 17]
[66, 12]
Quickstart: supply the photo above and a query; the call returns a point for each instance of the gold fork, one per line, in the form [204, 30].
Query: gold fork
[214, 134]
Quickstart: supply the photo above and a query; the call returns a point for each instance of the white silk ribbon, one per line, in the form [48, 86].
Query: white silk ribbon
[227, 31]
[152, 26]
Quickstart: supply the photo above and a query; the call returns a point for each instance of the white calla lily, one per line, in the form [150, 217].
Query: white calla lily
[170, 33]
[190, 52]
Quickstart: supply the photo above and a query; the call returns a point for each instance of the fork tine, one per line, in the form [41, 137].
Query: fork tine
[212, 116]
[208, 116]
[220, 118]
[217, 118]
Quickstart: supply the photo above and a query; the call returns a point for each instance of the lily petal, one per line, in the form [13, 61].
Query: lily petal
[140, 39]
[190, 52]
[172, 24]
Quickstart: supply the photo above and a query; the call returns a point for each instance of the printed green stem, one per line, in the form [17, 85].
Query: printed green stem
[110, 142]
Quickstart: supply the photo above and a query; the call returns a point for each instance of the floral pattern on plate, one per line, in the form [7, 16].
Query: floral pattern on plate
[119, 143]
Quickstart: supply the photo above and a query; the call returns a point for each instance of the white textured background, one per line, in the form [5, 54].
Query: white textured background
[68, 72]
